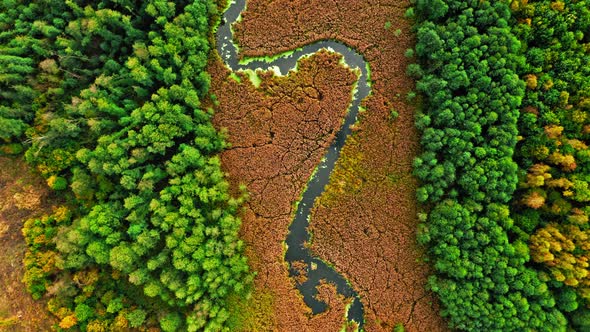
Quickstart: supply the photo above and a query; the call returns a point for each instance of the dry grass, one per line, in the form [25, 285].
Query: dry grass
[366, 222]
[279, 132]
[22, 195]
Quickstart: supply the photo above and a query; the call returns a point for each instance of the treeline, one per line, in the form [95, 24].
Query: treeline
[106, 99]
[550, 206]
[468, 59]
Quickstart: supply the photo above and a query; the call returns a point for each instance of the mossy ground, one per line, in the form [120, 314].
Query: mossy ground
[251, 314]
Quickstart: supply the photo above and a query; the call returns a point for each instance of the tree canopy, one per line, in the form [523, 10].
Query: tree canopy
[110, 97]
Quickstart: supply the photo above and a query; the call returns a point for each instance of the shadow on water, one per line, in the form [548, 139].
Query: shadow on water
[298, 234]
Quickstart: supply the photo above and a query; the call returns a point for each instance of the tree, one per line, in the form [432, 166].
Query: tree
[136, 317]
[171, 322]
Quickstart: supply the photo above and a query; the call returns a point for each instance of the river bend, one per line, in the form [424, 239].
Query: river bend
[298, 234]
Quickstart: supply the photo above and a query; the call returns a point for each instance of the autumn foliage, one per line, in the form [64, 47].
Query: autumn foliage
[552, 152]
[467, 72]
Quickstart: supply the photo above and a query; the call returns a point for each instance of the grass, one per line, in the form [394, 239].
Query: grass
[8, 322]
[253, 77]
[235, 77]
[254, 313]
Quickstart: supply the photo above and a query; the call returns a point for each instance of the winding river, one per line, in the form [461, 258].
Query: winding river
[316, 269]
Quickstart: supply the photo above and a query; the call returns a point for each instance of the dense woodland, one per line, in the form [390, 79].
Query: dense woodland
[105, 99]
[468, 74]
[504, 164]
[550, 207]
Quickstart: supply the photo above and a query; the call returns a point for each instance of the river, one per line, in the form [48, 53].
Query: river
[316, 269]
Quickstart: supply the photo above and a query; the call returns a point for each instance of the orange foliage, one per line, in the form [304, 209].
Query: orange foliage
[97, 326]
[61, 214]
[537, 175]
[548, 85]
[578, 217]
[531, 109]
[86, 277]
[68, 322]
[567, 162]
[534, 200]
[539, 169]
[531, 81]
[560, 183]
[577, 144]
[565, 250]
[558, 5]
[121, 323]
[553, 131]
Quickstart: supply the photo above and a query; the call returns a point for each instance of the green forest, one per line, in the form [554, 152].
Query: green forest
[109, 101]
[504, 166]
